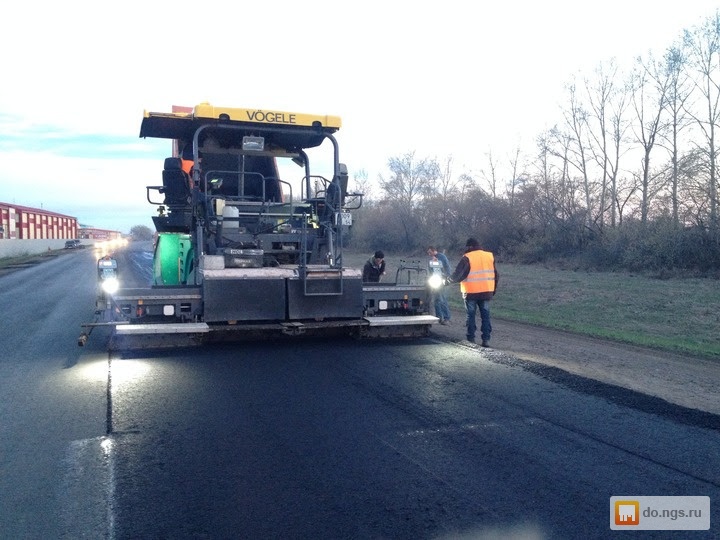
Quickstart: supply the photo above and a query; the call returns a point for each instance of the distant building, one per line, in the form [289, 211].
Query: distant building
[93, 233]
[25, 223]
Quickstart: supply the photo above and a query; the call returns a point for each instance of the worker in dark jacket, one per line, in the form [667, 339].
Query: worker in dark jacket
[478, 278]
[374, 268]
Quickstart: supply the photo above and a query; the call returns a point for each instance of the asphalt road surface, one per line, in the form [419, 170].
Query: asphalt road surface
[427, 438]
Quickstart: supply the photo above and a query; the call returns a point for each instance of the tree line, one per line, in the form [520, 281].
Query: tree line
[626, 179]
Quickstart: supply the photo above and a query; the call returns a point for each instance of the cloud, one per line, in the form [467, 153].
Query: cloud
[451, 78]
[99, 178]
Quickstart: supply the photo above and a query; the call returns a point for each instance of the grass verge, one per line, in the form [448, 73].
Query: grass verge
[678, 315]
[25, 258]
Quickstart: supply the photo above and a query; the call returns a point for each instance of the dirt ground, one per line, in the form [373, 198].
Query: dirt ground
[18, 263]
[683, 380]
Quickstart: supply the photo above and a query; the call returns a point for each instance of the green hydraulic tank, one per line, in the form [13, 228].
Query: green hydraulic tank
[173, 259]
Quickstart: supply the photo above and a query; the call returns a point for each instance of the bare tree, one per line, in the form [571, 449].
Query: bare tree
[703, 46]
[410, 180]
[626, 189]
[447, 185]
[490, 175]
[410, 183]
[678, 92]
[649, 99]
[608, 97]
[600, 91]
[517, 177]
[692, 192]
[362, 184]
[549, 190]
[438, 205]
[466, 184]
[455, 231]
[568, 190]
[576, 119]
[619, 126]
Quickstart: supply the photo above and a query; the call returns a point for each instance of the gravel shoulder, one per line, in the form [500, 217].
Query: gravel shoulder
[688, 381]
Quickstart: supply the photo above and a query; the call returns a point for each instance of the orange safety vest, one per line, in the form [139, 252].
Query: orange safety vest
[187, 165]
[482, 273]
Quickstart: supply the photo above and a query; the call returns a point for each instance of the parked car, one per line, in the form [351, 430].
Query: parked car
[73, 244]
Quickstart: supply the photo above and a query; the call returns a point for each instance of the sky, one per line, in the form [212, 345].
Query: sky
[452, 78]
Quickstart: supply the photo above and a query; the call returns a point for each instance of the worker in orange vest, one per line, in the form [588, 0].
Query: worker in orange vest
[478, 278]
[186, 161]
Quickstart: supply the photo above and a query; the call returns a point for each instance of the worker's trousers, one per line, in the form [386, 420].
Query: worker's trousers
[472, 306]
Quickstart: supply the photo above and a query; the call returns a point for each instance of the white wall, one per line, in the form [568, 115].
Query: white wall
[13, 248]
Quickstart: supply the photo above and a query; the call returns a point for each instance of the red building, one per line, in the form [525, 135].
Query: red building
[92, 233]
[25, 223]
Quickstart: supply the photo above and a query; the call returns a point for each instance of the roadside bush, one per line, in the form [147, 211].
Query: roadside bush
[656, 246]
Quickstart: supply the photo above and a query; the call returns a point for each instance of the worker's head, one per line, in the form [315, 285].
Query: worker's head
[379, 255]
[472, 243]
[431, 251]
[187, 151]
